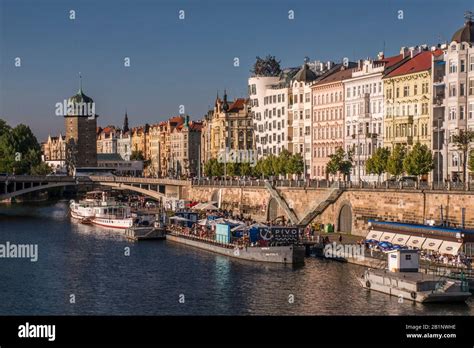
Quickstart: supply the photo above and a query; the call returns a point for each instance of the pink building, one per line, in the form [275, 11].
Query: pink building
[328, 118]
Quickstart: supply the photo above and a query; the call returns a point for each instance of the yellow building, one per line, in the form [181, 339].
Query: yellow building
[153, 150]
[228, 126]
[408, 99]
[165, 129]
[139, 139]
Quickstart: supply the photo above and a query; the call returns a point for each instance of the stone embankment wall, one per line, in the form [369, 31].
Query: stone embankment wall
[390, 205]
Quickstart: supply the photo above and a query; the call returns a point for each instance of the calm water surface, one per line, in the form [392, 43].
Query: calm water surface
[90, 263]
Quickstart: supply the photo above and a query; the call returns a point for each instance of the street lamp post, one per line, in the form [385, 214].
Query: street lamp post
[358, 151]
[439, 151]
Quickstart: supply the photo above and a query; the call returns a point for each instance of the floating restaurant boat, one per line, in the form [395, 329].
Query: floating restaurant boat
[289, 254]
[403, 279]
[100, 209]
[286, 251]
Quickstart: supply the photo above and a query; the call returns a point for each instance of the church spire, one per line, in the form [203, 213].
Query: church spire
[225, 105]
[80, 83]
[125, 122]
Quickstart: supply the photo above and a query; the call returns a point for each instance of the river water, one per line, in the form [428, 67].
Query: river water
[85, 270]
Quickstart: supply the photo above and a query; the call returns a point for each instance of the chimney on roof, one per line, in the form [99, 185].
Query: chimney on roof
[360, 63]
[329, 65]
[380, 56]
[404, 52]
[321, 66]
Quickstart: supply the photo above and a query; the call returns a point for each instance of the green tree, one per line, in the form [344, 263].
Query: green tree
[395, 160]
[462, 141]
[214, 168]
[280, 163]
[4, 127]
[267, 166]
[246, 169]
[41, 169]
[295, 164]
[233, 169]
[340, 162]
[258, 169]
[19, 149]
[377, 164]
[208, 167]
[418, 161]
[137, 156]
[471, 161]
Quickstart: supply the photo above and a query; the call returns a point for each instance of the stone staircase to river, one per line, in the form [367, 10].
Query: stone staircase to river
[314, 211]
[282, 203]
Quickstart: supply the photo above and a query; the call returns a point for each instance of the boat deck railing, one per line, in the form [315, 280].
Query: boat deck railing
[203, 239]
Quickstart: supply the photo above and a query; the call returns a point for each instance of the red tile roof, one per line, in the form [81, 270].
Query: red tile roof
[336, 77]
[176, 119]
[196, 126]
[389, 61]
[420, 62]
[237, 105]
[437, 52]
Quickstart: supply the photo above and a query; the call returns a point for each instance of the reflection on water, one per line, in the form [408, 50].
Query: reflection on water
[90, 263]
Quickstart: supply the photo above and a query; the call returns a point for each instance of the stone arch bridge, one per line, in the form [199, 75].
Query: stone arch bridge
[16, 185]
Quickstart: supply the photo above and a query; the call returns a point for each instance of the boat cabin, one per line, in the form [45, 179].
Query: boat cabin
[403, 260]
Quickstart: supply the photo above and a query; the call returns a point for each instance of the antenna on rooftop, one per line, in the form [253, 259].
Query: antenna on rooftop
[469, 16]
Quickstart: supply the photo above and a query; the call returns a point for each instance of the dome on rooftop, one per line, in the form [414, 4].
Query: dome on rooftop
[466, 33]
[80, 97]
[305, 74]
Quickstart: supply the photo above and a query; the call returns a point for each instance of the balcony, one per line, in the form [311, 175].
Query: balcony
[408, 140]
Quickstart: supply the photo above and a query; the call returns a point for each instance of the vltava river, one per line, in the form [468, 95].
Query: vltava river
[89, 263]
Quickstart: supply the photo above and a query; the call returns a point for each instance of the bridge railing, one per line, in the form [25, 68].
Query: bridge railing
[37, 178]
[135, 180]
[287, 183]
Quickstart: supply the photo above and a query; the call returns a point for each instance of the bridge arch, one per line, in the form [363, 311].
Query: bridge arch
[344, 218]
[215, 196]
[119, 186]
[272, 209]
[34, 189]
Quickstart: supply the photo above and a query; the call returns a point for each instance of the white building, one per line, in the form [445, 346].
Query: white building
[364, 114]
[459, 94]
[270, 103]
[124, 145]
[300, 115]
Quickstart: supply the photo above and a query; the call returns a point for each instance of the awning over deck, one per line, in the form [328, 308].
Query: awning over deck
[432, 244]
[387, 237]
[400, 239]
[448, 247]
[415, 242]
[374, 235]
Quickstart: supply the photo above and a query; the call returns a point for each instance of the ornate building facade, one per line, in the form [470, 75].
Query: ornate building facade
[364, 105]
[459, 95]
[408, 100]
[328, 118]
[229, 126]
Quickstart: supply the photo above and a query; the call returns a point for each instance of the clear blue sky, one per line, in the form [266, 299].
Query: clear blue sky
[185, 62]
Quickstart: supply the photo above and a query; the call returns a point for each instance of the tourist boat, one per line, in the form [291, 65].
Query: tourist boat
[403, 279]
[289, 254]
[100, 209]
